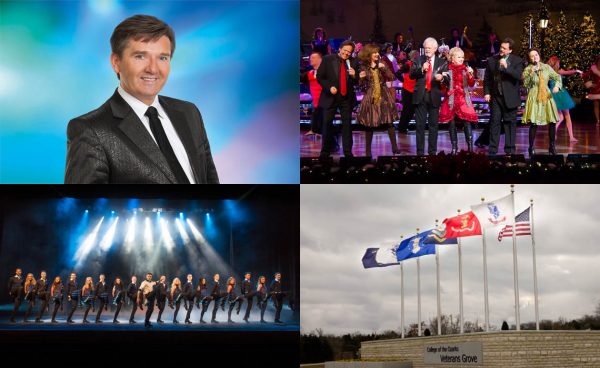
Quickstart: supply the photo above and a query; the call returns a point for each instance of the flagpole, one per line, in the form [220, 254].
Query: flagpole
[419, 289]
[515, 264]
[460, 285]
[437, 274]
[535, 287]
[485, 279]
[401, 296]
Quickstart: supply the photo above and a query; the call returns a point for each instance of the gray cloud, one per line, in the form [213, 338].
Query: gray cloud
[338, 222]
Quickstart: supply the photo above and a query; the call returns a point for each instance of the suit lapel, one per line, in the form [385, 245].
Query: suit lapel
[137, 133]
[183, 131]
[336, 67]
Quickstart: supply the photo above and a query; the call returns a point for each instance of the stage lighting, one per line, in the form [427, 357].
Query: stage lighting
[130, 237]
[86, 211]
[208, 252]
[148, 240]
[182, 232]
[107, 240]
[166, 236]
[87, 244]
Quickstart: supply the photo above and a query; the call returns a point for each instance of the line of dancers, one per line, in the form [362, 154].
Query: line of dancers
[147, 295]
[436, 76]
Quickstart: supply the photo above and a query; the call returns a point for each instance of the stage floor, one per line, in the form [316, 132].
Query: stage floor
[230, 343]
[287, 317]
[588, 135]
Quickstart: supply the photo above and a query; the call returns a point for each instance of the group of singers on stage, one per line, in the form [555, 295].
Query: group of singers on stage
[429, 77]
[146, 295]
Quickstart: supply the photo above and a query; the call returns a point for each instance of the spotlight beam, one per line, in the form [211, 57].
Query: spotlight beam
[107, 240]
[87, 245]
[166, 236]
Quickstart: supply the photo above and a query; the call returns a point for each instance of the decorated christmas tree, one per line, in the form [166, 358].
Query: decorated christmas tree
[535, 36]
[586, 45]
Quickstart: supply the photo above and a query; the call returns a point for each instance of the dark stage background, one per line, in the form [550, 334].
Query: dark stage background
[248, 228]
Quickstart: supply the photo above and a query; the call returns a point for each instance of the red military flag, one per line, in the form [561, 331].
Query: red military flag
[463, 225]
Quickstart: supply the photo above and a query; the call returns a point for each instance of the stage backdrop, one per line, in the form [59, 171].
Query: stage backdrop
[236, 60]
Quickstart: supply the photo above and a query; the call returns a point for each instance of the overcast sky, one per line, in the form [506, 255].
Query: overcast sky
[338, 223]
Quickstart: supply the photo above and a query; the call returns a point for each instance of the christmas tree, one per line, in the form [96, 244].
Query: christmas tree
[535, 36]
[377, 35]
[586, 48]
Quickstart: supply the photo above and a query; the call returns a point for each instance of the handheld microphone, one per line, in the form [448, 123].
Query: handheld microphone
[348, 63]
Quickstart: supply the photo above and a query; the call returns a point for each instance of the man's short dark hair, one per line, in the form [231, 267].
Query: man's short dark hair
[316, 52]
[140, 27]
[348, 43]
[510, 42]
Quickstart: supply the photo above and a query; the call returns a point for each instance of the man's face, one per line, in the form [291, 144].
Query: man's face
[345, 52]
[144, 67]
[19, 272]
[73, 276]
[149, 277]
[43, 275]
[429, 49]
[315, 60]
[505, 49]
[163, 279]
[278, 277]
[217, 277]
[134, 279]
[101, 278]
[189, 278]
[247, 276]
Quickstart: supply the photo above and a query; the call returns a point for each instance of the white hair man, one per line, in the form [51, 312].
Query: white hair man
[427, 71]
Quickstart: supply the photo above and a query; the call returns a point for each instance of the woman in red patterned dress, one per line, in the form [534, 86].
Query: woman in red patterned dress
[458, 105]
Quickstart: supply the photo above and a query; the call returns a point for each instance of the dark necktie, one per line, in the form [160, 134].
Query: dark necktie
[165, 146]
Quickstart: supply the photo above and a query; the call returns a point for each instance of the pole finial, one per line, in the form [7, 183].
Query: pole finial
[458, 210]
[531, 201]
[483, 199]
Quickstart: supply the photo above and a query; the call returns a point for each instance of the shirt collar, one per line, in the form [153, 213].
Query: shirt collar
[138, 106]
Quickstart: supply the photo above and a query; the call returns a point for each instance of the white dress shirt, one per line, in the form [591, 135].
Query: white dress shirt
[140, 109]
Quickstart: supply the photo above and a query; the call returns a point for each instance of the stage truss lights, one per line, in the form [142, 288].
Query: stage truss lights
[107, 240]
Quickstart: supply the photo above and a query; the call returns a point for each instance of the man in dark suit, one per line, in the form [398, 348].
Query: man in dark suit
[42, 289]
[501, 90]
[137, 136]
[427, 71]
[15, 289]
[188, 294]
[277, 296]
[248, 294]
[161, 297]
[132, 291]
[102, 296]
[337, 76]
[216, 296]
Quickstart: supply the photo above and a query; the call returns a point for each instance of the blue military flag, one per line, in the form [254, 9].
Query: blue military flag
[416, 246]
[380, 257]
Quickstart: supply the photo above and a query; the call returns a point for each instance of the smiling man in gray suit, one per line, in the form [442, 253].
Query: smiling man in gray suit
[138, 136]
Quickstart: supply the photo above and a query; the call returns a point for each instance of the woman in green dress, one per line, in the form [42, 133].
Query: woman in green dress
[540, 108]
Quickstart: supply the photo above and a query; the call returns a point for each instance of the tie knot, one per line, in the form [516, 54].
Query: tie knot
[151, 112]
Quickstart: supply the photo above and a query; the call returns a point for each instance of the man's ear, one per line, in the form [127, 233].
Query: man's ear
[115, 62]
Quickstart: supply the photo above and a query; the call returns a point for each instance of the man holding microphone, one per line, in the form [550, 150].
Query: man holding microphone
[337, 76]
[501, 89]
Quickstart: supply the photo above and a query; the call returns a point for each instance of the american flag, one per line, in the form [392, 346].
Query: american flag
[521, 223]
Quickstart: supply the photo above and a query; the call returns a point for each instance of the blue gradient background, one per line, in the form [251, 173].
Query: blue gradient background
[236, 60]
